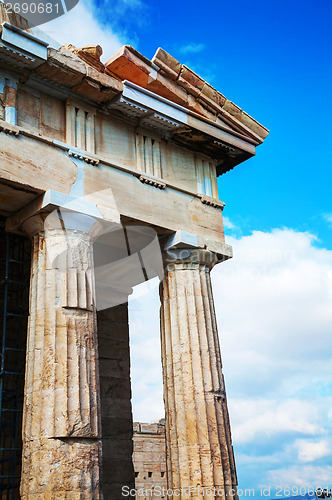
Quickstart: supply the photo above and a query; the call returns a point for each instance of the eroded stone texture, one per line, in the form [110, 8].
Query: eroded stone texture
[198, 436]
[115, 394]
[61, 420]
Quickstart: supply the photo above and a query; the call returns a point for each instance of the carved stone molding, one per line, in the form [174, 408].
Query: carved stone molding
[223, 145]
[212, 202]
[8, 128]
[83, 157]
[151, 181]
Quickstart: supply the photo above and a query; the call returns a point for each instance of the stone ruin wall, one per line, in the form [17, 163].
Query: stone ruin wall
[149, 457]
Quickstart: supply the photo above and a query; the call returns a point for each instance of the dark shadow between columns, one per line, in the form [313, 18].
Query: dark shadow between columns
[115, 391]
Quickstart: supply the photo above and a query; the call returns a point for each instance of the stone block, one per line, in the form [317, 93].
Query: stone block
[63, 68]
[212, 97]
[192, 82]
[118, 314]
[119, 449]
[115, 387]
[165, 87]
[119, 368]
[117, 427]
[136, 426]
[114, 348]
[167, 63]
[117, 472]
[98, 86]
[115, 408]
[149, 428]
[236, 112]
[126, 65]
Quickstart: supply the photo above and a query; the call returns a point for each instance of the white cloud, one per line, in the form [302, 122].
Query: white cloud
[80, 27]
[262, 418]
[308, 476]
[192, 48]
[309, 451]
[146, 369]
[273, 304]
[228, 224]
[328, 218]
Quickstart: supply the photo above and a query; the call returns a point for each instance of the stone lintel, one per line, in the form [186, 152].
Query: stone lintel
[182, 245]
[181, 239]
[50, 201]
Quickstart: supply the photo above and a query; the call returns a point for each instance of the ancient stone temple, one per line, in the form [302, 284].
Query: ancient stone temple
[108, 177]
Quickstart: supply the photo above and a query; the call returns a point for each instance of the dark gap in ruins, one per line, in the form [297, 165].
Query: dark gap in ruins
[115, 395]
[15, 254]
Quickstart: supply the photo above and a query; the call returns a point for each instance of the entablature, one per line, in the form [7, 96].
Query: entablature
[20, 48]
[228, 146]
[160, 95]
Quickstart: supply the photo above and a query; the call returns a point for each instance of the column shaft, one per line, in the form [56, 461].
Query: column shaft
[199, 448]
[61, 420]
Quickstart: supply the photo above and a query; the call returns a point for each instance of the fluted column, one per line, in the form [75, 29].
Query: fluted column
[61, 420]
[198, 436]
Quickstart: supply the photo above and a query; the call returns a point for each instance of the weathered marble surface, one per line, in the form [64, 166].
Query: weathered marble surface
[61, 419]
[198, 435]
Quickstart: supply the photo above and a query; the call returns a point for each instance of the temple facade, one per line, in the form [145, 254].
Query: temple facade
[108, 177]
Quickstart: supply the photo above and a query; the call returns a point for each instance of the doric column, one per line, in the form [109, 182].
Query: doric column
[61, 420]
[198, 436]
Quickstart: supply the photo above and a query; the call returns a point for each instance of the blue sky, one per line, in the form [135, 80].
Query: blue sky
[274, 299]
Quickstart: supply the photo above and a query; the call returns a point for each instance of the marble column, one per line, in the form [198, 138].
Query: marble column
[61, 419]
[198, 436]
